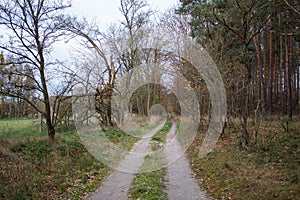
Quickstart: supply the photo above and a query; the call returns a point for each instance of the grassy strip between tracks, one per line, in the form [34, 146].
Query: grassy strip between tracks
[150, 184]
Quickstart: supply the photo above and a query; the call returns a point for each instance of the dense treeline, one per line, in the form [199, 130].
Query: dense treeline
[255, 44]
[261, 35]
[13, 107]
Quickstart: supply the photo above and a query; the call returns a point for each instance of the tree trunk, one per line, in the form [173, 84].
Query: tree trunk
[290, 97]
[276, 64]
[264, 71]
[148, 99]
[261, 83]
[48, 113]
[271, 67]
[298, 81]
[245, 138]
[109, 109]
[282, 77]
[288, 76]
[51, 130]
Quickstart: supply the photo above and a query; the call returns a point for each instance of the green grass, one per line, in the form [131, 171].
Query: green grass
[19, 128]
[26, 128]
[41, 169]
[159, 138]
[150, 185]
[127, 140]
[268, 170]
[123, 140]
[32, 167]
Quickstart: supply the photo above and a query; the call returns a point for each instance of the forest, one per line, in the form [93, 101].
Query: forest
[250, 51]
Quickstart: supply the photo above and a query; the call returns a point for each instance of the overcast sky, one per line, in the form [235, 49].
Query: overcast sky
[106, 12]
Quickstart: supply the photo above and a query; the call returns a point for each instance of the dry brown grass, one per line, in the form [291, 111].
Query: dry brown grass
[267, 170]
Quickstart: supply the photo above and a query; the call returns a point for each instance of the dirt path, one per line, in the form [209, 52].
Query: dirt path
[181, 184]
[116, 185]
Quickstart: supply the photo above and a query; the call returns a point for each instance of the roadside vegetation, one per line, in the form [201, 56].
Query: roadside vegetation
[42, 169]
[266, 170]
[33, 167]
[150, 185]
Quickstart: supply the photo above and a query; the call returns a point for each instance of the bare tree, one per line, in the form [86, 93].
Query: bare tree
[32, 26]
[295, 7]
[98, 69]
[115, 51]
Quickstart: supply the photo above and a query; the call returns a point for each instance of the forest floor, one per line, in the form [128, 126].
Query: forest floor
[267, 170]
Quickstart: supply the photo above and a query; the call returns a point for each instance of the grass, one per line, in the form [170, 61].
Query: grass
[127, 140]
[26, 128]
[150, 185]
[123, 140]
[159, 138]
[268, 170]
[19, 129]
[141, 125]
[40, 169]
[32, 167]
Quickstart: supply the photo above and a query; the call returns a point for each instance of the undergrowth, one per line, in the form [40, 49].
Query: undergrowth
[268, 170]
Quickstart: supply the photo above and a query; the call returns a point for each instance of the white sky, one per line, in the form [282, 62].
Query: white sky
[106, 12]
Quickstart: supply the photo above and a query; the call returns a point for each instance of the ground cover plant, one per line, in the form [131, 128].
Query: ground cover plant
[150, 185]
[267, 170]
[32, 167]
